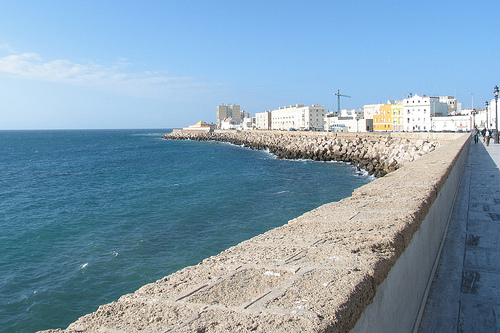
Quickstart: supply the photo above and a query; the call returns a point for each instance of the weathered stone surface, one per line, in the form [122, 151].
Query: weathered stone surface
[317, 273]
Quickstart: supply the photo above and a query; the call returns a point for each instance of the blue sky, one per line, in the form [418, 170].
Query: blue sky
[161, 64]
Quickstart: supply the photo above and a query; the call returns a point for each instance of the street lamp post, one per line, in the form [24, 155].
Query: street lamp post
[496, 113]
[473, 119]
[486, 104]
[473, 123]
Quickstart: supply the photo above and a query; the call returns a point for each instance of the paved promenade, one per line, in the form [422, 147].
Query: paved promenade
[465, 292]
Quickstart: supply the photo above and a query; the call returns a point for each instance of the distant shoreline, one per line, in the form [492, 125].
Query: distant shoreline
[378, 154]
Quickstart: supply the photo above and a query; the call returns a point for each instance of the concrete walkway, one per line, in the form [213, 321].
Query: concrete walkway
[465, 293]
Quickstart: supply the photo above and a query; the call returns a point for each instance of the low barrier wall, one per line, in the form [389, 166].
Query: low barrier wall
[399, 302]
[359, 264]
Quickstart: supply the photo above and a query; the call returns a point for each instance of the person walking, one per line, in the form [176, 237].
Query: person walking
[487, 137]
[476, 134]
[483, 133]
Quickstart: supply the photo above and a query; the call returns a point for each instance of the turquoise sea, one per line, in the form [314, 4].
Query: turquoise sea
[87, 216]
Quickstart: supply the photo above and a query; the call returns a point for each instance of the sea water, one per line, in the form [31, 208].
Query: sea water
[87, 216]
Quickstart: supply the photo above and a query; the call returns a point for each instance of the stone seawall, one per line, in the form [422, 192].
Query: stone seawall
[378, 154]
[317, 273]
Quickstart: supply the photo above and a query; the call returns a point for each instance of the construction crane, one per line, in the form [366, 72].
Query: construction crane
[338, 94]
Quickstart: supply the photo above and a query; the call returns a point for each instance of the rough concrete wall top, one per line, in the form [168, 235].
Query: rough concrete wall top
[431, 136]
[317, 273]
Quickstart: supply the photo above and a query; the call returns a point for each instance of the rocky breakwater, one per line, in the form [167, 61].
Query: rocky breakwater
[320, 272]
[378, 154]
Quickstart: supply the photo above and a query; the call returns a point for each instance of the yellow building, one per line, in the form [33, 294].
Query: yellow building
[382, 120]
[397, 117]
[390, 118]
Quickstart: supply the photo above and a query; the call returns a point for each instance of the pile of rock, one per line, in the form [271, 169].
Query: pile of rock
[378, 154]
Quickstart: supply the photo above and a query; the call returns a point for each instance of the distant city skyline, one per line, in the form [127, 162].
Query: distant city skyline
[157, 64]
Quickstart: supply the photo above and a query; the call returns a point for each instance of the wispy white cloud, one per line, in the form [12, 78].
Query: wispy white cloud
[115, 78]
[7, 47]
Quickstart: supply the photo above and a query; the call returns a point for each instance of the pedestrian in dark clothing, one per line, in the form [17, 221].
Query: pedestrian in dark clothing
[476, 134]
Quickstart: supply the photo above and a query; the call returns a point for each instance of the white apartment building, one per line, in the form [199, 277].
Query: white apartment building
[352, 123]
[459, 123]
[263, 120]
[419, 110]
[248, 123]
[298, 117]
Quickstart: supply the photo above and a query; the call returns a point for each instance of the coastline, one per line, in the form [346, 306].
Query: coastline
[280, 280]
[376, 153]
